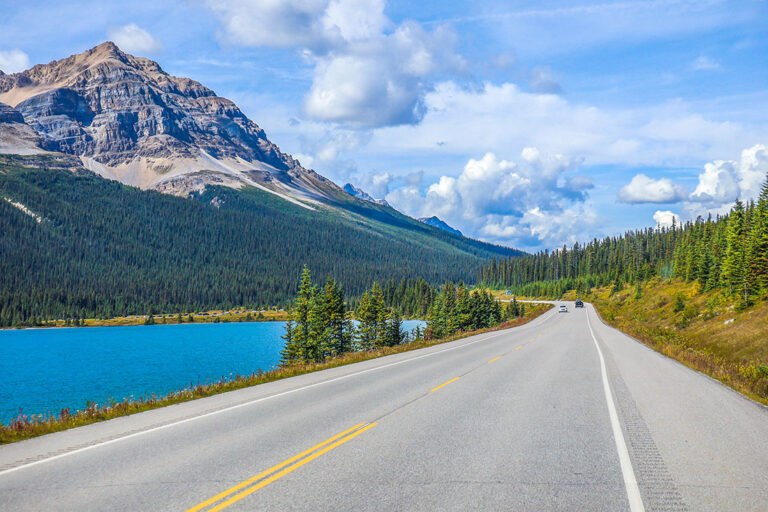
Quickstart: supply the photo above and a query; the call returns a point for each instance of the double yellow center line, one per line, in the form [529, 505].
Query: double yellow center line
[265, 478]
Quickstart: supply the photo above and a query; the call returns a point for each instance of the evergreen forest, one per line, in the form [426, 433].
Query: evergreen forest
[88, 247]
[321, 326]
[728, 252]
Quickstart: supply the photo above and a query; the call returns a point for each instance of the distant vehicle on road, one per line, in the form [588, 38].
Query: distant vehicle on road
[563, 309]
[579, 304]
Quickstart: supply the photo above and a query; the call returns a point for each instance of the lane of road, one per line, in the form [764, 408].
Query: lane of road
[512, 420]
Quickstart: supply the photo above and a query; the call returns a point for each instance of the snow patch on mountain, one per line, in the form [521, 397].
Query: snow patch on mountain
[362, 194]
[440, 224]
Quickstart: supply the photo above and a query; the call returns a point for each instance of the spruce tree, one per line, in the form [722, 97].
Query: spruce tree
[290, 352]
[758, 242]
[733, 269]
[301, 309]
[394, 329]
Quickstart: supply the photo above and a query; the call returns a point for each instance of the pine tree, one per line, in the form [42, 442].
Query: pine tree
[291, 351]
[436, 320]
[758, 242]
[734, 271]
[371, 315]
[301, 309]
[377, 301]
[394, 329]
[318, 342]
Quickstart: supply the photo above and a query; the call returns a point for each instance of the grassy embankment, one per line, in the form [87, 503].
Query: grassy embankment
[27, 427]
[703, 330]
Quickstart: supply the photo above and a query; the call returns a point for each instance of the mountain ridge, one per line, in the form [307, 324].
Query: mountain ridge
[362, 194]
[439, 224]
[240, 232]
[129, 120]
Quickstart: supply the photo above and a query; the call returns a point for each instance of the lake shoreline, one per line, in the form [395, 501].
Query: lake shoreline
[224, 317]
[208, 317]
[33, 426]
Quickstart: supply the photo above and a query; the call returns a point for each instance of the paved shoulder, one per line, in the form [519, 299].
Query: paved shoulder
[694, 442]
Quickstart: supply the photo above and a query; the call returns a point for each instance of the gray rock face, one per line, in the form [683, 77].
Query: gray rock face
[9, 114]
[15, 135]
[362, 194]
[114, 107]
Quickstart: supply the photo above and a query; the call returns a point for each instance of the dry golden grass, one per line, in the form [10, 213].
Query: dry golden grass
[213, 316]
[700, 329]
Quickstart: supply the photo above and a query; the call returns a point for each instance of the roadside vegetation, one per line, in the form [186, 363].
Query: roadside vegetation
[705, 330]
[25, 427]
[697, 292]
[320, 324]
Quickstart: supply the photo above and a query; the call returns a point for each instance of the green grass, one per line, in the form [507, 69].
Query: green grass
[703, 330]
[25, 427]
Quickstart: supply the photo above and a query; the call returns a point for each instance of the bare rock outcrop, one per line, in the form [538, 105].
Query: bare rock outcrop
[130, 120]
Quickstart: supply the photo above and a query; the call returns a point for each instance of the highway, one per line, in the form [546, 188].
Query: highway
[563, 413]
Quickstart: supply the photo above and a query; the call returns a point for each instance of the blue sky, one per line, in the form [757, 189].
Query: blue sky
[530, 124]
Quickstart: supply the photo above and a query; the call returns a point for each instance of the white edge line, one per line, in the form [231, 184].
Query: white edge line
[238, 406]
[630, 482]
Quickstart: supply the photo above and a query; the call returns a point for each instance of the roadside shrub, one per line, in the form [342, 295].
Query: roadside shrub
[679, 303]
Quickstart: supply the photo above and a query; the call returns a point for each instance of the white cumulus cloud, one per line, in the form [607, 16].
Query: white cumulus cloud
[368, 72]
[134, 39]
[536, 201]
[376, 184]
[643, 189]
[276, 23]
[666, 218]
[724, 181]
[13, 61]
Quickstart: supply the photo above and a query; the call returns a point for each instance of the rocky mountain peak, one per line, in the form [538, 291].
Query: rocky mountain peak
[438, 223]
[362, 194]
[130, 120]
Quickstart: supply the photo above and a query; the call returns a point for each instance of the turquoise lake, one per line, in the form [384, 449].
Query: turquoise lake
[46, 370]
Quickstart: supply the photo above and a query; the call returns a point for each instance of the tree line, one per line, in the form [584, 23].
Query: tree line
[323, 324]
[727, 252]
[457, 309]
[320, 324]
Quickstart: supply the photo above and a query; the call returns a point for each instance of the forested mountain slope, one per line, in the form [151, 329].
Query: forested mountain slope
[73, 244]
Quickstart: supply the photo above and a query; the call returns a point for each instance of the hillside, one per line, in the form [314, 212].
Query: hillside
[704, 330]
[76, 245]
[246, 217]
[698, 291]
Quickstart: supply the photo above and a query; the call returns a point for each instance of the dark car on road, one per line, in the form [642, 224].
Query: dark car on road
[579, 304]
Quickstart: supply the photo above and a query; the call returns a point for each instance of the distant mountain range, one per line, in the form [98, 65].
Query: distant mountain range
[123, 118]
[362, 194]
[439, 224]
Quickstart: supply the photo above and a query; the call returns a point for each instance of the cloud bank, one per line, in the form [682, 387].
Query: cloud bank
[539, 200]
[367, 72]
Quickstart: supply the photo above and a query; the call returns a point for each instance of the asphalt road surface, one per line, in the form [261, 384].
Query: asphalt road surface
[563, 413]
